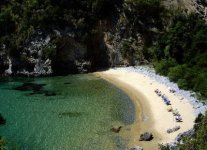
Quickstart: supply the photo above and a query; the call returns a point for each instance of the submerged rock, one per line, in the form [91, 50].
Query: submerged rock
[136, 148]
[35, 88]
[116, 129]
[30, 87]
[67, 83]
[50, 93]
[69, 114]
[147, 136]
[2, 120]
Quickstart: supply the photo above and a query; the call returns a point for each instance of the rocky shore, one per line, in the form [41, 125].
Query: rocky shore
[199, 107]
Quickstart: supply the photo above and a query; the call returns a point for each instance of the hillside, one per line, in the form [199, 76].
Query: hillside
[43, 38]
[61, 37]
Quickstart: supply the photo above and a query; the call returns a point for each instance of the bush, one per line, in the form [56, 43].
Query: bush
[164, 65]
[199, 140]
[177, 72]
[182, 83]
[200, 84]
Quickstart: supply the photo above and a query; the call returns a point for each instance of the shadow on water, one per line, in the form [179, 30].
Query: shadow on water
[70, 114]
[67, 83]
[35, 88]
[120, 143]
[2, 120]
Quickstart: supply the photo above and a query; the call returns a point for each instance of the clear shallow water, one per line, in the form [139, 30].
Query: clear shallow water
[63, 113]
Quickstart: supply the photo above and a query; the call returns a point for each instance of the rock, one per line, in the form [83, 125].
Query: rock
[2, 120]
[35, 56]
[199, 118]
[188, 133]
[116, 129]
[4, 62]
[9, 70]
[136, 148]
[169, 131]
[176, 128]
[83, 66]
[147, 136]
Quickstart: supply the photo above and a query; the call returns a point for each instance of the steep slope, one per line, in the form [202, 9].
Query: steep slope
[63, 37]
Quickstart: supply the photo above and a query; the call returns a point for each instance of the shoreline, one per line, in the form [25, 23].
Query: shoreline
[151, 112]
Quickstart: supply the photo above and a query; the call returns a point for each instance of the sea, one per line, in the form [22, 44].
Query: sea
[75, 112]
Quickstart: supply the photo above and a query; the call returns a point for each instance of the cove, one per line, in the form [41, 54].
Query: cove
[70, 112]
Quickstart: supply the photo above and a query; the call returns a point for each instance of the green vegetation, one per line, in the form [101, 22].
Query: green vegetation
[199, 139]
[181, 53]
[136, 12]
[176, 44]
[3, 144]
[20, 18]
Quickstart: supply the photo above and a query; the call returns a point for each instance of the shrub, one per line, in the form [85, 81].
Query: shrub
[164, 65]
[182, 83]
[177, 72]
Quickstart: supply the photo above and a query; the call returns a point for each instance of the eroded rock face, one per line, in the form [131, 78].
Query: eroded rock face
[34, 58]
[4, 62]
[69, 57]
[45, 53]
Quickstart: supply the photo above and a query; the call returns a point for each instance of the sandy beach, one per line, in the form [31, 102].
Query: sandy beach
[151, 112]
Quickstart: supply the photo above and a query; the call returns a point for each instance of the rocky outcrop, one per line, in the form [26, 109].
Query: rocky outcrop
[30, 60]
[127, 42]
[4, 62]
[188, 6]
[70, 57]
[147, 136]
[56, 52]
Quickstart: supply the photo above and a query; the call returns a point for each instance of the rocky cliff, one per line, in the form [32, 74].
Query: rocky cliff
[124, 39]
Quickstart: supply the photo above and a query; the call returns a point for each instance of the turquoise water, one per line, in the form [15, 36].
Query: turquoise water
[63, 113]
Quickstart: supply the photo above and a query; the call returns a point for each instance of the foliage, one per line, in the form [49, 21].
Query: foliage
[199, 139]
[185, 42]
[3, 144]
[163, 66]
[136, 12]
[127, 51]
[20, 18]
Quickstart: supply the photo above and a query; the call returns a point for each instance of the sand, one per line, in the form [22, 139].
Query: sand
[151, 112]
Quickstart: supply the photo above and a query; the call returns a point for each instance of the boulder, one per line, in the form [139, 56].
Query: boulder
[147, 136]
[176, 128]
[136, 148]
[188, 133]
[116, 129]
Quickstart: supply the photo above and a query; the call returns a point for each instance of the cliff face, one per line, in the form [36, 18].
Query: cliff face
[124, 38]
[188, 6]
[136, 33]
